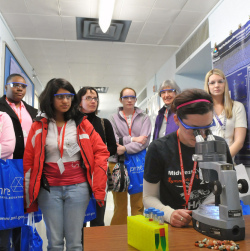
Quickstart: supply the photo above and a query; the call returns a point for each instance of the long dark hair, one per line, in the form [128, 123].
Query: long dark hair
[194, 108]
[47, 96]
[83, 91]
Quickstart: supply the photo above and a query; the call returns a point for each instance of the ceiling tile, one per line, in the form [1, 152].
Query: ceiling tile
[28, 32]
[172, 37]
[152, 33]
[145, 3]
[134, 32]
[189, 17]
[47, 7]
[46, 22]
[199, 5]
[139, 14]
[163, 15]
[170, 4]
[13, 6]
[31, 48]
[17, 20]
[75, 8]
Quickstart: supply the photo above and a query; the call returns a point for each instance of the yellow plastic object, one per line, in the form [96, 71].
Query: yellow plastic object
[142, 234]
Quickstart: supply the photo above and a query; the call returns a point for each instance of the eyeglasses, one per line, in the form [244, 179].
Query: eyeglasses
[133, 98]
[196, 127]
[89, 99]
[17, 85]
[62, 96]
[221, 81]
[168, 91]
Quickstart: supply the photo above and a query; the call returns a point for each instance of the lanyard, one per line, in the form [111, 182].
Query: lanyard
[129, 127]
[223, 126]
[187, 194]
[20, 114]
[58, 140]
[165, 115]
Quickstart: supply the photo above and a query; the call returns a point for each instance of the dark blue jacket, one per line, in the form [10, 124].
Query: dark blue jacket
[171, 126]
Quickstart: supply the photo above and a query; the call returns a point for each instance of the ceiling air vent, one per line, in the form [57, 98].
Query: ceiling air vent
[89, 29]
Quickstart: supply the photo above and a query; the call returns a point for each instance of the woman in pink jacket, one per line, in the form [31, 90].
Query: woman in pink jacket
[7, 146]
[132, 128]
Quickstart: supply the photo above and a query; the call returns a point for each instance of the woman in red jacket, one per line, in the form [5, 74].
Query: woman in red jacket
[64, 157]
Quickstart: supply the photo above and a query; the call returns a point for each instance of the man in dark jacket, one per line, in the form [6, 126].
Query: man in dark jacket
[22, 116]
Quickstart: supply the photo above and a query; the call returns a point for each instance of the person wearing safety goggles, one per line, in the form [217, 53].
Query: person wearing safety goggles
[22, 116]
[164, 123]
[64, 161]
[229, 115]
[171, 178]
[132, 129]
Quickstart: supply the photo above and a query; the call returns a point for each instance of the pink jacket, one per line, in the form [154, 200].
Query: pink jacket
[7, 137]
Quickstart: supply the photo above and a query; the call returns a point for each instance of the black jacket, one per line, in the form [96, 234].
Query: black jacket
[4, 107]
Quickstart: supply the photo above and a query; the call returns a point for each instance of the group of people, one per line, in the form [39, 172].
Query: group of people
[67, 151]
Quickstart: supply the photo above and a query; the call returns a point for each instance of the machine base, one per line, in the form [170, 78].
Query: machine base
[235, 234]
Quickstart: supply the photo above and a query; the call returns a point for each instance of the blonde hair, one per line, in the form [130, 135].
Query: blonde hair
[228, 102]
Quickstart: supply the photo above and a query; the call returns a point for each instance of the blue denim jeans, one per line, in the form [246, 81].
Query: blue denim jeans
[63, 211]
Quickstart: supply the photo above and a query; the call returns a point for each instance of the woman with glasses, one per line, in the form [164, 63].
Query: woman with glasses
[164, 123]
[63, 159]
[171, 178]
[88, 99]
[7, 146]
[229, 115]
[132, 128]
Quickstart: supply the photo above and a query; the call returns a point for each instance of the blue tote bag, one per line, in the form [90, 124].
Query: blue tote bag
[30, 239]
[90, 213]
[11, 194]
[135, 166]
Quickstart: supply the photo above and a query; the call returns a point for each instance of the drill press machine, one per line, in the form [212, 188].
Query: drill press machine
[222, 220]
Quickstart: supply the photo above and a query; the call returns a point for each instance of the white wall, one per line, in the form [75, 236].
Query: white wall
[226, 17]
[167, 71]
[7, 37]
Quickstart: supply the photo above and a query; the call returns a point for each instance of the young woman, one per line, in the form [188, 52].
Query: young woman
[64, 157]
[7, 146]
[89, 102]
[171, 156]
[164, 123]
[132, 130]
[229, 115]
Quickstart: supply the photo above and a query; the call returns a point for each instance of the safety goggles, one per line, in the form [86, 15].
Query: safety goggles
[133, 98]
[17, 85]
[168, 91]
[196, 127]
[62, 96]
[221, 81]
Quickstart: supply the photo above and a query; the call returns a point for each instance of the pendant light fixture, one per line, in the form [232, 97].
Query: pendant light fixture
[106, 8]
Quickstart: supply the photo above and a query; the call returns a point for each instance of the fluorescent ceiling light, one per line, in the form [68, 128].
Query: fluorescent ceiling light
[106, 8]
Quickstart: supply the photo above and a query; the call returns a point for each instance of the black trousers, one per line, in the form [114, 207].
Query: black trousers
[5, 239]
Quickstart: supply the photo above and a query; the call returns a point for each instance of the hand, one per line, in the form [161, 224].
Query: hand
[100, 202]
[180, 218]
[120, 149]
[141, 139]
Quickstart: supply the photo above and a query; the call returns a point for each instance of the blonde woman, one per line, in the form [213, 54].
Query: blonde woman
[229, 115]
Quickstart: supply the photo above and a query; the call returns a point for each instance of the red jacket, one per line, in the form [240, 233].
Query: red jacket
[93, 151]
